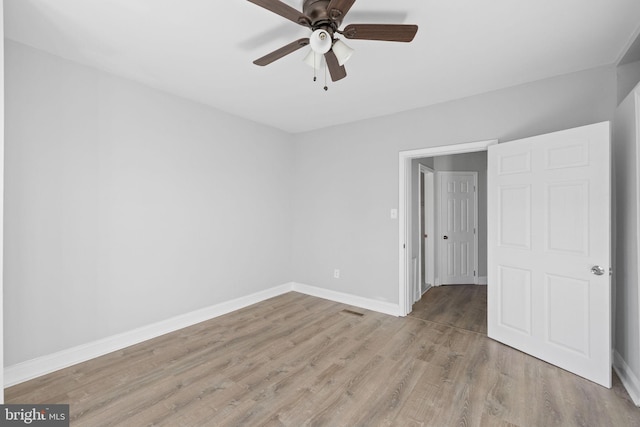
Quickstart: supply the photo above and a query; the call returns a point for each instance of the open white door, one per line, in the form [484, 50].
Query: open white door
[549, 288]
[426, 221]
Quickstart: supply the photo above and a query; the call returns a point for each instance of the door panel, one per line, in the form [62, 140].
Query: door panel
[568, 207]
[514, 216]
[549, 224]
[515, 299]
[569, 333]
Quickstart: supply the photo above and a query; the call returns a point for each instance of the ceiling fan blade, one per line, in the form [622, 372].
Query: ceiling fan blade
[336, 70]
[383, 32]
[283, 10]
[337, 9]
[283, 51]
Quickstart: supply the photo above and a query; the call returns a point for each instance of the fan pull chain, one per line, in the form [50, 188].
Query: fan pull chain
[314, 67]
[326, 88]
[315, 77]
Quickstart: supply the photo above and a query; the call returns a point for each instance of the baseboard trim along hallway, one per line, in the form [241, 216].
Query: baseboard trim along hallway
[43, 365]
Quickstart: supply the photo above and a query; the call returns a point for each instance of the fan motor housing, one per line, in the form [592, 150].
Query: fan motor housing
[320, 17]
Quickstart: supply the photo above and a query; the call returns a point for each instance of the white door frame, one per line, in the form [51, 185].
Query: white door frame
[441, 260]
[404, 210]
[429, 214]
[637, 114]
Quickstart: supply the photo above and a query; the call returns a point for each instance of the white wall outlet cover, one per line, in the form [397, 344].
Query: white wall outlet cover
[394, 213]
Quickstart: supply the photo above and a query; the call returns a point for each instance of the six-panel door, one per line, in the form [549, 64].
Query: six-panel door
[549, 291]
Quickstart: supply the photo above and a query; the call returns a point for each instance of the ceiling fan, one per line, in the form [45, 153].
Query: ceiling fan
[324, 18]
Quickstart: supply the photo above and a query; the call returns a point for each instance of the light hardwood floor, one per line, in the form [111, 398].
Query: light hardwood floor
[297, 360]
[461, 306]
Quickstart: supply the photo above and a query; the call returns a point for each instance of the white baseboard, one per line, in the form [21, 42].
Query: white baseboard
[356, 301]
[482, 280]
[30, 369]
[628, 378]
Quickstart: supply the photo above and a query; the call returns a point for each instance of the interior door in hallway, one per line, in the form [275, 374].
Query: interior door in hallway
[549, 292]
[457, 227]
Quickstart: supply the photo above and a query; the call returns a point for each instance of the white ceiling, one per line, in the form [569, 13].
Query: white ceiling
[203, 50]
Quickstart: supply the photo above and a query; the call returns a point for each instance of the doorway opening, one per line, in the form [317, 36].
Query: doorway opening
[415, 275]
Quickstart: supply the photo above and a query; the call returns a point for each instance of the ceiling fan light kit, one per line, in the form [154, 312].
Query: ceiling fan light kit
[313, 59]
[320, 41]
[342, 51]
[324, 18]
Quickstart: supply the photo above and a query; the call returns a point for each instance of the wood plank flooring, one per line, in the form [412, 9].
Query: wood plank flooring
[461, 306]
[297, 360]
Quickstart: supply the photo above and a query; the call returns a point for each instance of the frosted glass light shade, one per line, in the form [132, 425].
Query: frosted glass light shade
[320, 41]
[342, 51]
[309, 59]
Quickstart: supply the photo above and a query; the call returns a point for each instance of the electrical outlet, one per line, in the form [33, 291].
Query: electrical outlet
[336, 274]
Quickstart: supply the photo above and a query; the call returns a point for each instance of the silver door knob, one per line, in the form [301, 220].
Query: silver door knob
[597, 270]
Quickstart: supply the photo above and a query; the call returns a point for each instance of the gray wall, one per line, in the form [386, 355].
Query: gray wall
[629, 69]
[625, 167]
[628, 78]
[2, 102]
[126, 206]
[626, 258]
[347, 176]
